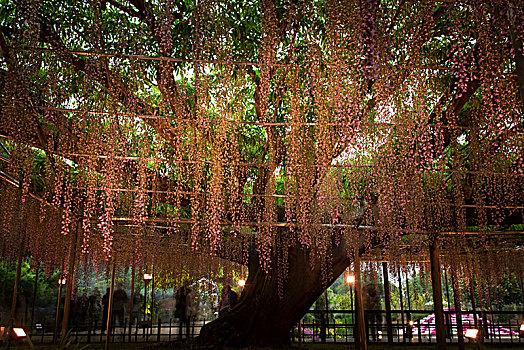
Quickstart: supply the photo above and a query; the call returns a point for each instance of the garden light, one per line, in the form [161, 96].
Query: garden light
[19, 333]
[148, 277]
[350, 279]
[241, 282]
[471, 333]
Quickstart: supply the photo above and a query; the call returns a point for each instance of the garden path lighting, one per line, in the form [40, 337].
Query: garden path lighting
[147, 278]
[471, 333]
[350, 279]
[19, 333]
[241, 283]
[61, 281]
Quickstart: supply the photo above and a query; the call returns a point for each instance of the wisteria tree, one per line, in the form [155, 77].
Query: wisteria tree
[287, 136]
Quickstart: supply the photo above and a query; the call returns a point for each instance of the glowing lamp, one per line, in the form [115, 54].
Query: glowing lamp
[19, 333]
[411, 323]
[471, 333]
[522, 327]
[148, 277]
[350, 279]
[62, 281]
[241, 282]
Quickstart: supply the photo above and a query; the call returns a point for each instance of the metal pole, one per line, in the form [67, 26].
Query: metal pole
[110, 306]
[387, 297]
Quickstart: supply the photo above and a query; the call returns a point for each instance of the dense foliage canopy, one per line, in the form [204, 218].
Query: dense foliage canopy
[165, 132]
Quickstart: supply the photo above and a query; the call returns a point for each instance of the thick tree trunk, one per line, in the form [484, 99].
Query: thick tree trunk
[261, 317]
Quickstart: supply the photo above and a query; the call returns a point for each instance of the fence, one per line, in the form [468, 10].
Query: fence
[339, 326]
[318, 327]
[141, 331]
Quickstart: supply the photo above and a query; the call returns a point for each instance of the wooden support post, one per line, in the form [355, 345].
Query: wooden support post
[57, 316]
[449, 326]
[15, 289]
[132, 301]
[387, 297]
[473, 301]
[152, 303]
[400, 293]
[436, 283]
[21, 237]
[33, 302]
[408, 298]
[361, 327]
[326, 317]
[447, 288]
[70, 280]
[521, 283]
[299, 332]
[353, 314]
[110, 306]
[458, 309]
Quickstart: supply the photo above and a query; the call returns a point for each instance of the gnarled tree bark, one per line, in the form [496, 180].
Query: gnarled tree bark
[262, 317]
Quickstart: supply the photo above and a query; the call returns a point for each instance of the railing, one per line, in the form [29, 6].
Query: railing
[141, 331]
[317, 327]
[339, 326]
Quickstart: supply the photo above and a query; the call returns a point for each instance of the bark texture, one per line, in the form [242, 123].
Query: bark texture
[262, 317]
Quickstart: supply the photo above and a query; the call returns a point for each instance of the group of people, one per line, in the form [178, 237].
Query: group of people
[186, 309]
[228, 300]
[94, 308]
